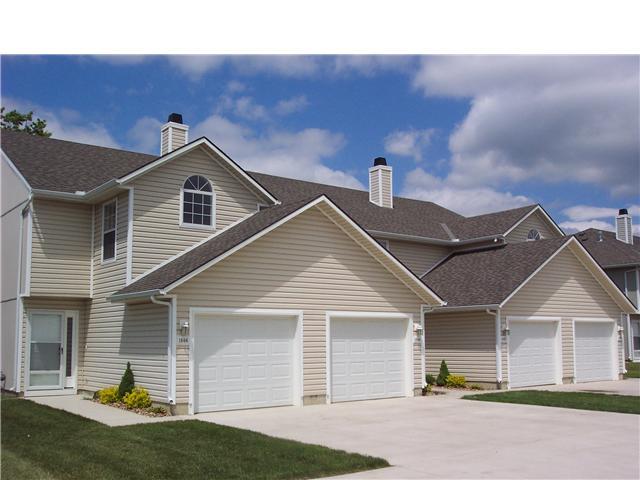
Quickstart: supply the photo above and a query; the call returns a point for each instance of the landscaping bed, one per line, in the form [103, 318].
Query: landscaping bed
[40, 442]
[576, 400]
[633, 370]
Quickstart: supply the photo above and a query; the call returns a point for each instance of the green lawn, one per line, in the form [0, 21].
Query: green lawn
[633, 370]
[45, 443]
[578, 400]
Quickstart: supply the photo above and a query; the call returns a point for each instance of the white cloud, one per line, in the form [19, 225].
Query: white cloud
[296, 154]
[408, 143]
[581, 217]
[369, 65]
[124, 60]
[549, 119]
[235, 86]
[195, 66]
[65, 124]
[291, 105]
[467, 201]
[246, 107]
[145, 135]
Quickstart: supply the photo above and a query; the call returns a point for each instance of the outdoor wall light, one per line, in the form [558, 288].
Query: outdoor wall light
[184, 328]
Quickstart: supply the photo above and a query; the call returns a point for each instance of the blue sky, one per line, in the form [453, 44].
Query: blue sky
[475, 134]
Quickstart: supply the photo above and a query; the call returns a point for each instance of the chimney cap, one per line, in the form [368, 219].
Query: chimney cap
[175, 118]
[623, 211]
[379, 161]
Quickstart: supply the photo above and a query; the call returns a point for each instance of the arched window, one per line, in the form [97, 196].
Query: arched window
[198, 203]
[533, 234]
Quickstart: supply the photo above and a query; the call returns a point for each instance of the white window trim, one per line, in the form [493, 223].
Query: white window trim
[615, 353]
[558, 343]
[537, 232]
[213, 205]
[409, 334]
[102, 232]
[298, 364]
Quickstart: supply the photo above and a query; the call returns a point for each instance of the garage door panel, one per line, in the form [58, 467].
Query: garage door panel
[533, 358]
[367, 358]
[243, 362]
[594, 351]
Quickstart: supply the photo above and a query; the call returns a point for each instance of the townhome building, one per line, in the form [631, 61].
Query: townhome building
[229, 289]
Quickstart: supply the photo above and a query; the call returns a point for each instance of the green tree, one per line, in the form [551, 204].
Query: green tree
[441, 381]
[127, 382]
[23, 122]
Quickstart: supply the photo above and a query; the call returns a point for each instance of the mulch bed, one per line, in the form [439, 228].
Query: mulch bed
[139, 411]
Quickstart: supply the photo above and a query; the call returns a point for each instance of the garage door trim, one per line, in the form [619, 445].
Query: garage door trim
[297, 365]
[408, 353]
[615, 361]
[558, 342]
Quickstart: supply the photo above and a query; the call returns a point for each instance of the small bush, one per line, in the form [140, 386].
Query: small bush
[127, 382]
[108, 395]
[157, 410]
[475, 386]
[441, 381]
[430, 379]
[426, 390]
[455, 381]
[137, 398]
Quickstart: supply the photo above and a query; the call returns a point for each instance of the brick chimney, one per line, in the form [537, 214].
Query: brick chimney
[173, 135]
[381, 183]
[624, 226]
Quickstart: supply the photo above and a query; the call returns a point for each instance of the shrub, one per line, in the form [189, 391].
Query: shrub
[441, 381]
[475, 386]
[137, 398]
[127, 383]
[157, 410]
[430, 379]
[108, 395]
[426, 390]
[455, 381]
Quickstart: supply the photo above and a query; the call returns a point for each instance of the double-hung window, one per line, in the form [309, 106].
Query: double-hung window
[109, 231]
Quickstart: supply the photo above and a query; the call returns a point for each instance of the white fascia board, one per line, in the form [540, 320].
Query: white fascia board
[445, 309]
[124, 297]
[535, 209]
[429, 240]
[203, 141]
[15, 170]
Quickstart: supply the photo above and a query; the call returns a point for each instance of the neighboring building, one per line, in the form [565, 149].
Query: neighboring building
[230, 289]
[619, 254]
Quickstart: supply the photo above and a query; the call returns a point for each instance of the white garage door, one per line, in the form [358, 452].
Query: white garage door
[594, 355]
[243, 362]
[532, 353]
[367, 358]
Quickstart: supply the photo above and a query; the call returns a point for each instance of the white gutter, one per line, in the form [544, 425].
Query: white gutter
[498, 324]
[466, 307]
[429, 240]
[171, 346]
[131, 296]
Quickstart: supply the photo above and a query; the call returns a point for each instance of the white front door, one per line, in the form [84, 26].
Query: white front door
[243, 361]
[368, 358]
[533, 357]
[51, 356]
[594, 351]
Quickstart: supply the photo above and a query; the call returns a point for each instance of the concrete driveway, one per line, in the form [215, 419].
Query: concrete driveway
[447, 437]
[630, 386]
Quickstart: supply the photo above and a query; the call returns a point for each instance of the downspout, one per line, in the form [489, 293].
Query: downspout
[424, 309]
[498, 327]
[22, 272]
[171, 343]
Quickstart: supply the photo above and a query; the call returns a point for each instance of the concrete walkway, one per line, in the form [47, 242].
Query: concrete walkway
[630, 386]
[114, 417]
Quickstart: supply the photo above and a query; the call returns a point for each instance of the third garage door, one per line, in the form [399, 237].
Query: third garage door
[594, 351]
[368, 358]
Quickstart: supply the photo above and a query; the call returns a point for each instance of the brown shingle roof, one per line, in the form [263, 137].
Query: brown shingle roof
[488, 276]
[610, 251]
[62, 166]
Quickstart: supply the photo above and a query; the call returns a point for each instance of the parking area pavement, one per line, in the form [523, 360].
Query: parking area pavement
[447, 437]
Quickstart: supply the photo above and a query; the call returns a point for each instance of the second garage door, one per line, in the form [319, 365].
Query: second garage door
[243, 361]
[533, 357]
[594, 351]
[368, 358]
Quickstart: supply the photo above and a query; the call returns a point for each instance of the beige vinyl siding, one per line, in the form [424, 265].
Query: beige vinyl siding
[157, 234]
[465, 340]
[535, 220]
[179, 138]
[387, 200]
[115, 333]
[61, 249]
[564, 288]
[307, 264]
[418, 257]
[57, 304]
